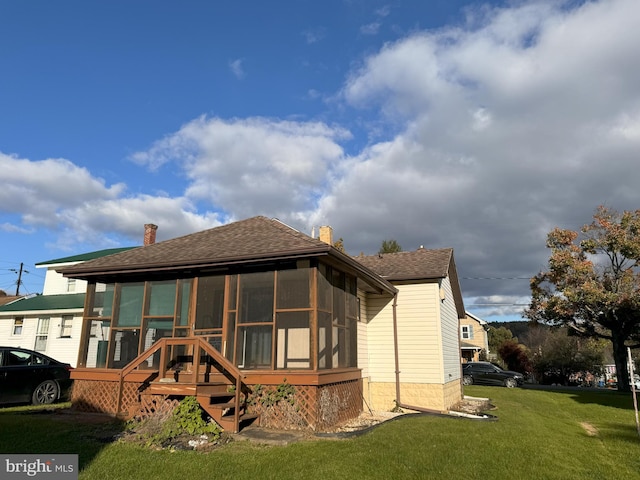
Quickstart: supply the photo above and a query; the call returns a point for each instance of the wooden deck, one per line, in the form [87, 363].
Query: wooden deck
[222, 390]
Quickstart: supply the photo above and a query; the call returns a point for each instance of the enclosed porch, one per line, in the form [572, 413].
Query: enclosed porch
[275, 345]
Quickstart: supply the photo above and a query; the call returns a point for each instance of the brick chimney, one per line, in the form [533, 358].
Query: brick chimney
[149, 234]
[326, 234]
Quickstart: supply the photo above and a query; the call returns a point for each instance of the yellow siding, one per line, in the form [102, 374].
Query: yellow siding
[428, 346]
[381, 360]
[450, 334]
[363, 345]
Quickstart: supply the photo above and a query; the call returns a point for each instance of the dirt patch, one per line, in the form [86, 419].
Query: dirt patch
[589, 429]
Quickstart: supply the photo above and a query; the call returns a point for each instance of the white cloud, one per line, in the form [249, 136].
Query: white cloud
[254, 165]
[11, 228]
[120, 218]
[371, 28]
[237, 68]
[523, 120]
[39, 189]
[491, 133]
[314, 35]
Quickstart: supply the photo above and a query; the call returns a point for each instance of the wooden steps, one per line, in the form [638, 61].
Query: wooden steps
[220, 404]
[217, 399]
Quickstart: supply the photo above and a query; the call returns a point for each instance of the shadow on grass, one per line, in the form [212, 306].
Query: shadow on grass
[596, 396]
[56, 429]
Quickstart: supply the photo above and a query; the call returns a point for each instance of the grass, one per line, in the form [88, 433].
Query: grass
[538, 434]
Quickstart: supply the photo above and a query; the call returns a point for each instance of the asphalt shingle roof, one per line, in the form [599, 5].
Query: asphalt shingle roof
[253, 238]
[247, 241]
[419, 264]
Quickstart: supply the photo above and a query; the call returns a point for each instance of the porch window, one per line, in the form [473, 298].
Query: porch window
[293, 340]
[254, 331]
[132, 316]
[337, 318]
[254, 347]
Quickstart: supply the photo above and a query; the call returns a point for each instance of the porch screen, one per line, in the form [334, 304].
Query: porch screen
[130, 307]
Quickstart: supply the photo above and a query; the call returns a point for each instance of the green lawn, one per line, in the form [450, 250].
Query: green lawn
[538, 434]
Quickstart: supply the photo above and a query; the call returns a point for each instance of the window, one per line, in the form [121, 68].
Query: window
[71, 285]
[17, 325]
[65, 326]
[93, 333]
[466, 332]
[42, 333]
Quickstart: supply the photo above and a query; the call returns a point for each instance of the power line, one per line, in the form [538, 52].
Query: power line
[496, 278]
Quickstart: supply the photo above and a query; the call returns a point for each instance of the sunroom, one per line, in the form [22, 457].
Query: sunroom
[219, 313]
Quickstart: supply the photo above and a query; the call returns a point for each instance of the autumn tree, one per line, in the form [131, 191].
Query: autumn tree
[390, 246]
[592, 284]
[515, 356]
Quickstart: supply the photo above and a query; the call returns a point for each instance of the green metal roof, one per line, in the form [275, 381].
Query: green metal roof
[83, 257]
[46, 302]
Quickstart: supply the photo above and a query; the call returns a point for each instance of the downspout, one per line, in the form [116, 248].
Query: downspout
[397, 359]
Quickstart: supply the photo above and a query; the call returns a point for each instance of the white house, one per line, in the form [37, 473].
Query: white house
[50, 323]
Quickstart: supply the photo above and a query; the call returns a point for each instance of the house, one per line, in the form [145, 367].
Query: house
[50, 323]
[257, 319]
[473, 337]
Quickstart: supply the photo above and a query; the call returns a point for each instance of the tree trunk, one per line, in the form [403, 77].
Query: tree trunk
[620, 358]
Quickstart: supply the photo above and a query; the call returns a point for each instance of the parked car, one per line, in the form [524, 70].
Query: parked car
[486, 373]
[31, 377]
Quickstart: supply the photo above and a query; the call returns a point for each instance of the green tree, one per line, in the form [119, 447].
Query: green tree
[339, 244]
[561, 356]
[592, 284]
[497, 336]
[390, 246]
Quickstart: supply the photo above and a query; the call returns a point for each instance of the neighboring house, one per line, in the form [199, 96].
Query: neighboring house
[50, 323]
[238, 314]
[473, 337]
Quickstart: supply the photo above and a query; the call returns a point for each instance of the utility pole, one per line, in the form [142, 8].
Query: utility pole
[19, 280]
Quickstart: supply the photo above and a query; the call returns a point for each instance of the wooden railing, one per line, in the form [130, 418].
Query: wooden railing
[199, 346]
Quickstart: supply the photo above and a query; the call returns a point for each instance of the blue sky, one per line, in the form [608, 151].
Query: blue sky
[473, 125]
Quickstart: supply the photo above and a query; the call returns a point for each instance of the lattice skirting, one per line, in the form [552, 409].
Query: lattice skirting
[102, 397]
[156, 406]
[314, 407]
[317, 408]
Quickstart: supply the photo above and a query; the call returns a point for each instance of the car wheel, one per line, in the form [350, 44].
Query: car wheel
[45, 393]
[467, 380]
[510, 383]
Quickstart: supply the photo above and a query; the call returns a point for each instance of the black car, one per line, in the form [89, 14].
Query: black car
[486, 373]
[31, 377]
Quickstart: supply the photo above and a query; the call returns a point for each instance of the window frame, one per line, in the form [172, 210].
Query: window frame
[63, 327]
[15, 326]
